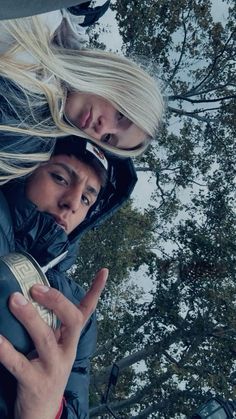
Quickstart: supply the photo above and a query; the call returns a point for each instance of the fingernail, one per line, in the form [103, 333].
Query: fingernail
[1, 339]
[19, 300]
[41, 288]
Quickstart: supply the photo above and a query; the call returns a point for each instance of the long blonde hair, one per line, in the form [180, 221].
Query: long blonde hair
[58, 70]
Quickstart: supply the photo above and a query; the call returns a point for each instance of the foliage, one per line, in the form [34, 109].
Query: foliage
[122, 243]
[177, 346]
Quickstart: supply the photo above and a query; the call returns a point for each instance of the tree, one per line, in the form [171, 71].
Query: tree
[186, 335]
[178, 347]
[194, 57]
[126, 238]
[194, 54]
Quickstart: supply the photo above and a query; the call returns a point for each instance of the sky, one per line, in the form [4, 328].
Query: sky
[145, 185]
[112, 40]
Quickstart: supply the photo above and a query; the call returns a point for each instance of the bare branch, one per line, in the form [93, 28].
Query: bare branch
[181, 53]
[119, 405]
[181, 112]
[187, 99]
[170, 358]
[212, 66]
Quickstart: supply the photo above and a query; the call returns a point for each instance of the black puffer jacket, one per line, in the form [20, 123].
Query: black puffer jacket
[24, 228]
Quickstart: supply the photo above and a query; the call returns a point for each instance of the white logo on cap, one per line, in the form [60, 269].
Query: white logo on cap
[98, 154]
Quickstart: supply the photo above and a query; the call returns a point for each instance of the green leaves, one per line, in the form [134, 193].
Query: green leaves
[121, 244]
[175, 344]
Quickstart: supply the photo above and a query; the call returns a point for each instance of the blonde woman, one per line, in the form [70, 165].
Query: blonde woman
[52, 86]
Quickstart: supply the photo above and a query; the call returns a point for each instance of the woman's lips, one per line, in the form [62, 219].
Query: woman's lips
[85, 120]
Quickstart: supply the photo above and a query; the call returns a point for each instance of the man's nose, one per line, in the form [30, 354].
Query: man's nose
[71, 199]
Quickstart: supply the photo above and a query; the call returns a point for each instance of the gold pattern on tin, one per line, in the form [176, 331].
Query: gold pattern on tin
[27, 273]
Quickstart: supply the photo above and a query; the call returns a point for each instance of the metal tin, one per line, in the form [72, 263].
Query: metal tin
[27, 272]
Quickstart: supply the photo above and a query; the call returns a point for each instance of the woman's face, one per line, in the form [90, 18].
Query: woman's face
[98, 118]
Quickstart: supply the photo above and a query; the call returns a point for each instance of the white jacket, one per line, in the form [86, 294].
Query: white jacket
[65, 25]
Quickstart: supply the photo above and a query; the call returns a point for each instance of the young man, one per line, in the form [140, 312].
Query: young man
[49, 211]
[66, 187]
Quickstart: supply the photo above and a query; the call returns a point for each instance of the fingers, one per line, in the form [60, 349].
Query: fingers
[63, 308]
[54, 300]
[72, 317]
[41, 334]
[15, 362]
[42, 381]
[89, 302]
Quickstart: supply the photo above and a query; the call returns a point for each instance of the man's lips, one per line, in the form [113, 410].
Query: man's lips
[59, 221]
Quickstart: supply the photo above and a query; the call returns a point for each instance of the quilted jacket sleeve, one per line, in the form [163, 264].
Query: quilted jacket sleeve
[77, 389]
[6, 229]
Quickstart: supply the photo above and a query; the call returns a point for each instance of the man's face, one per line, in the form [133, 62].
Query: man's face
[64, 187]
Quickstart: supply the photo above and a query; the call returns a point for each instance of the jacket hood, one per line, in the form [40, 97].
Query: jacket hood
[37, 232]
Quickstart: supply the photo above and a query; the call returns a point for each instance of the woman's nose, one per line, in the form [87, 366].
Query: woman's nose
[105, 125]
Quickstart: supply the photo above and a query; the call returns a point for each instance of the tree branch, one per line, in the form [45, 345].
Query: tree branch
[181, 53]
[211, 68]
[186, 99]
[193, 115]
[123, 404]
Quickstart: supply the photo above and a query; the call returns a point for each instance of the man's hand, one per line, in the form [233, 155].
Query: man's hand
[42, 380]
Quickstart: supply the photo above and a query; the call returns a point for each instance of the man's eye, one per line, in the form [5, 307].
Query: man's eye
[59, 179]
[85, 200]
[106, 138]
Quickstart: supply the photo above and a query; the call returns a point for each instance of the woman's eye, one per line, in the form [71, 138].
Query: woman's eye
[106, 138]
[59, 179]
[120, 116]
